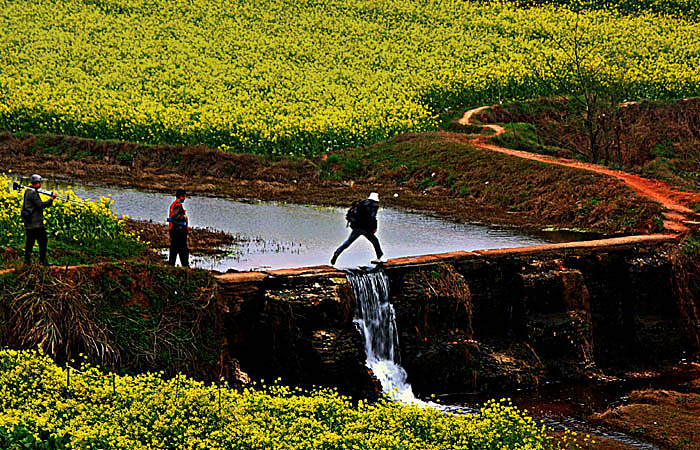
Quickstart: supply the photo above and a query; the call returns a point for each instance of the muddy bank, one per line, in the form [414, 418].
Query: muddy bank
[437, 172]
[668, 418]
[201, 241]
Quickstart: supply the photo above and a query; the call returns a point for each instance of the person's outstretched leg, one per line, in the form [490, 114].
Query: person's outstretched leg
[375, 242]
[353, 237]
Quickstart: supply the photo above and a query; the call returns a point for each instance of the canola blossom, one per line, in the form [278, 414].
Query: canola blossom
[678, 8]
[81, 223]
[302, 77]
[91, 410]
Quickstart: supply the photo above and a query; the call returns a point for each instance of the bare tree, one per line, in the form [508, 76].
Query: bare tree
[592, 77]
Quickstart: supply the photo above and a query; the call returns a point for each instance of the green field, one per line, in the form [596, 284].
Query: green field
[302, 77]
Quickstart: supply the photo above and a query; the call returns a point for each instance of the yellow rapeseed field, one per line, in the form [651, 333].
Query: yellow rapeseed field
[91, 410]
[300, 77]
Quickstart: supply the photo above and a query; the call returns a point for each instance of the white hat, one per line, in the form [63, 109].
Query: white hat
[374, 196]
[35, 179]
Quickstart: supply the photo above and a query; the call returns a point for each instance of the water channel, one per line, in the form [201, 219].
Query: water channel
[281, 235]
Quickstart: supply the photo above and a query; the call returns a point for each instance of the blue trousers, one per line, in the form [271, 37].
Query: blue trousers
[356, 233]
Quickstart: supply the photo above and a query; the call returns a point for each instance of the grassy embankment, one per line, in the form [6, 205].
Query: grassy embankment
[91, 410]
[659, 140]
[468, 184]
[442, 164]
[127, 316]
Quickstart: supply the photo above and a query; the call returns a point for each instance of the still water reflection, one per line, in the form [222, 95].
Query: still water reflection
[281, 235]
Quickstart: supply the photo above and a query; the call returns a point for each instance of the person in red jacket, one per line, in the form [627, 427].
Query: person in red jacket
[179, 227]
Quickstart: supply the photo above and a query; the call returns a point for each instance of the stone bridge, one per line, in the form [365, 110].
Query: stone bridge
[470, 321]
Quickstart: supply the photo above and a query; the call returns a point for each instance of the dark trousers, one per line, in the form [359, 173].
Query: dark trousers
[36, 235]
[178, 246]
[356, 233]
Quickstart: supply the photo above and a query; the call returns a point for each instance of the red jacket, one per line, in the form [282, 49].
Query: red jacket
[178, 214]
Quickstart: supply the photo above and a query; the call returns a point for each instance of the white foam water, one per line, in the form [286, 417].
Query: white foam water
[376, 320]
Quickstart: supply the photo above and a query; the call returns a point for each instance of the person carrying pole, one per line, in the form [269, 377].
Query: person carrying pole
[362, 219]
[33, 217]
[179, 227]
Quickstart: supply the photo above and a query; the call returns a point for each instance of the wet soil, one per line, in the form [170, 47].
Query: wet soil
[661, 407]
[668, 418]
[200, 241]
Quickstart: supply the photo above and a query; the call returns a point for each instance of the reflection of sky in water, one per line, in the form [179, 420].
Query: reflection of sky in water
[288, 235]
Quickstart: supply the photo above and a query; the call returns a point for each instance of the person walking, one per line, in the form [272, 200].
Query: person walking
[33, 217]
[179, 227]
[362, 219]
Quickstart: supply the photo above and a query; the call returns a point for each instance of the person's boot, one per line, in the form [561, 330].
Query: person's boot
[379, 260]
[334, 259]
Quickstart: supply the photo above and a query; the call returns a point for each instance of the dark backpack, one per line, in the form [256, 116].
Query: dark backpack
[26, 213]
[356, 213]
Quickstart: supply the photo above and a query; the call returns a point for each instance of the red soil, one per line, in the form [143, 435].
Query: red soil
[679, 217]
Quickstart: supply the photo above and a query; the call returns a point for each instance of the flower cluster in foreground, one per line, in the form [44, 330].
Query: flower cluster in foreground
[92, 410]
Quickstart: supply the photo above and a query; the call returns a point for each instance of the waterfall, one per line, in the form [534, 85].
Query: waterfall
[376, 320]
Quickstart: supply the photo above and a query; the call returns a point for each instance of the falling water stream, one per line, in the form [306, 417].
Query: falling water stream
[376, 320]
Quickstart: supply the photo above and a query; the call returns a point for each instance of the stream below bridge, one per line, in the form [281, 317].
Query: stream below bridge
[560, 406]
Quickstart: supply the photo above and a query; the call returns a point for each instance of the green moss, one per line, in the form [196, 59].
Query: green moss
[523, 136]
[663, 149]
[691, 244]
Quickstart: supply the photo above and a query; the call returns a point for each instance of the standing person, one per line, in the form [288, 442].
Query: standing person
[362, 218]
[33, 216]
[179, 226]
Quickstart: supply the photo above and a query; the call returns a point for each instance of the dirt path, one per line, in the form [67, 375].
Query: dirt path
[679, 217]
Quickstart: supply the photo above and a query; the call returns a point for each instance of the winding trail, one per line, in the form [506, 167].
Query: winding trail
[679, 218]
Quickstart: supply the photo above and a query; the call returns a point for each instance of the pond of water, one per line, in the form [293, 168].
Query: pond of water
[281, 235]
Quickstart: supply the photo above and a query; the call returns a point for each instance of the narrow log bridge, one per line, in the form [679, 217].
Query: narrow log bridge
[471, 321]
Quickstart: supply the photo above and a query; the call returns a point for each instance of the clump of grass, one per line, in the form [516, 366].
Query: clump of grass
[133, 317]
[523, 136]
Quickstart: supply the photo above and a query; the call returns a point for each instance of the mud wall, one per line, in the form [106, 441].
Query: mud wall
[471, 321]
